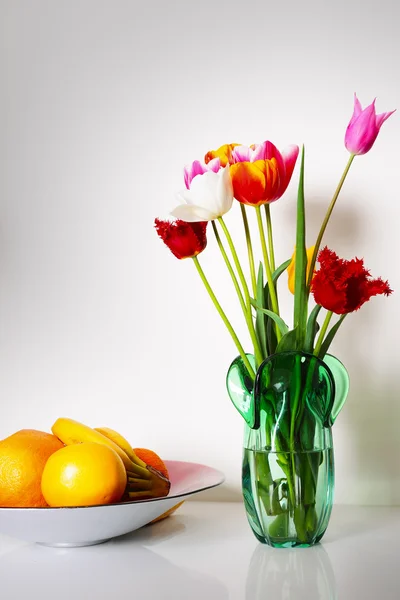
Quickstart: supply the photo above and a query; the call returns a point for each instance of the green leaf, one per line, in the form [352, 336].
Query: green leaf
[271, 330]
[279, 528]
[278, 320]
[261, 324]
[300, 283]
[312, 329]
[278, 272]
[272, 340]
[275, 502]
[288, 341]
[329, 338]
[275, 276]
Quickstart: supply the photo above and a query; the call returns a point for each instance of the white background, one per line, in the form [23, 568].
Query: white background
[102, 103]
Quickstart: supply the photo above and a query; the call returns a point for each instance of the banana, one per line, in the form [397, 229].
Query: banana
[123, 443]
[73, 432]
[158, 486]
[143, 482]
[161, 485]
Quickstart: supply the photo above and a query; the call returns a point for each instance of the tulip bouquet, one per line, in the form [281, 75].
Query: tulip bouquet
[252, 178]
[257, 176]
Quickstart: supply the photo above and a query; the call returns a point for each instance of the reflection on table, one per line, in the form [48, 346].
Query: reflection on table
[293, 573]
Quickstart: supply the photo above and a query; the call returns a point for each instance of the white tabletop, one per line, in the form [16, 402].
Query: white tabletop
[207, 551]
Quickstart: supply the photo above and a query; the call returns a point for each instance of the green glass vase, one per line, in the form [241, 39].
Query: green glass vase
[288, 459]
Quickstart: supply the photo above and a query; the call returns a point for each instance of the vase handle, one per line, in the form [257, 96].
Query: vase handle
[342, 383]
[240, 390]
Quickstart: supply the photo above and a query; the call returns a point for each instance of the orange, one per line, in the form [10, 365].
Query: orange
[83, 475]
[152, 459]
[23, 456]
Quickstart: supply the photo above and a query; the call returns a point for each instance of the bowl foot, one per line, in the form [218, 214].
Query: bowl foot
[72, 544]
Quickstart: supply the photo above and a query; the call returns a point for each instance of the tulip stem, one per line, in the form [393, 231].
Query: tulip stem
[270, 238]
[323, 331]
[249, 318]
[271, 287]
[230, 268]
[326, 219]
[224, 317]
[249, 249]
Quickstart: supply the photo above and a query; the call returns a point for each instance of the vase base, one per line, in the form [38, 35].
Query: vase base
[286, 543]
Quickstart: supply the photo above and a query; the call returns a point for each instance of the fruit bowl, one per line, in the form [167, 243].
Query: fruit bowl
[89, 525]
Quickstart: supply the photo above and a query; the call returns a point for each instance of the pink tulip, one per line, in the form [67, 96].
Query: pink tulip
[264, 151]
[199, 168]
[248, 153]
[363, 128]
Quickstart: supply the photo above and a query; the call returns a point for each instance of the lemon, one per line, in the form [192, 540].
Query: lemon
[83, 475]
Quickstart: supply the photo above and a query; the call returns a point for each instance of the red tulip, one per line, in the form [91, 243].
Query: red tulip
[185, 240]
[265, 177]
[342, 286]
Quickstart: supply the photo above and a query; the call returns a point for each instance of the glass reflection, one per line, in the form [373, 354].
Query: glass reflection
[290, 574]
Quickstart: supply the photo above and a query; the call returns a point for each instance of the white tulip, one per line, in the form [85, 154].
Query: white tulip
[210, 196]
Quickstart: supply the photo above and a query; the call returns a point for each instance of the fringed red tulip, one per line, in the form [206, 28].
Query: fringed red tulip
[343, 286]
[185, 240]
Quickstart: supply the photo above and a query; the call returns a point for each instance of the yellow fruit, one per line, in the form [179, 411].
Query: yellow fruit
[154, 460]
[123, 443]
[83, 475]
[23, 456]
[143, 481]
[73, 432]
[160, 478]
[168, 512]
[158, 486]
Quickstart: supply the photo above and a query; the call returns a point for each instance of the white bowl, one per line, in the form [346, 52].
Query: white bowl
[88, 525]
